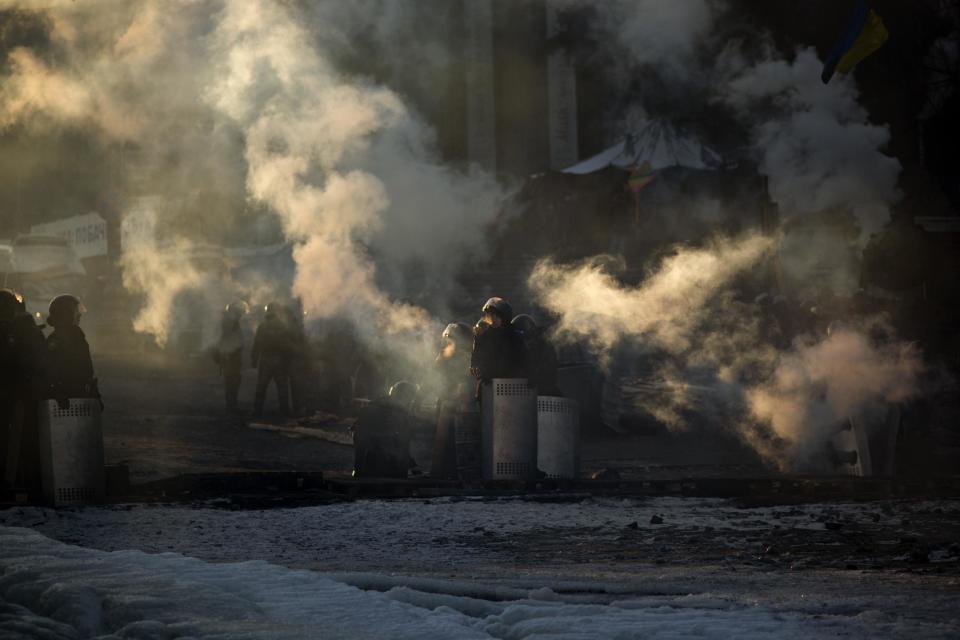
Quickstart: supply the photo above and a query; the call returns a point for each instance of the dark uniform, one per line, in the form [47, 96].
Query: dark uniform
[456, 390]
[300, 374]
[8, 374]
[498, 348]
[230, 354]
[542, 360]
[69, 367]
[382, 433]
[271, 353]
[499, 352]
[31, 356]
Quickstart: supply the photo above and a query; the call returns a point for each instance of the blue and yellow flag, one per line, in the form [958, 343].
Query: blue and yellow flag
[866, 34]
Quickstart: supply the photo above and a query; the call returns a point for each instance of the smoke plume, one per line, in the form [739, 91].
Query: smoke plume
[710, 354]
[819, 384]
[814, 140]
[244, 99]
[666, 309]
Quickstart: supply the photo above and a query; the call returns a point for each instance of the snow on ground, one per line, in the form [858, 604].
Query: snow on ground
[405, 534]
[463, 568]
[54, 590]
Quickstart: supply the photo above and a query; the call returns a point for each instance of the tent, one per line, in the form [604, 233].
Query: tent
[656, 142]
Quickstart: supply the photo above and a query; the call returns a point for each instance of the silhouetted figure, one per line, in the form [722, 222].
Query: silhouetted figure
[30, 349]
[8, 374]
[272, 347]
[456, 388]
[300, 374]
[382, 434]
[498, 348]
[68, 368]
[229, 353]
[542, 361]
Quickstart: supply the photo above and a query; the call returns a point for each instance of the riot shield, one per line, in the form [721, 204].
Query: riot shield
[558, 437]
[467, 441]
[71, 451]
[508, 429]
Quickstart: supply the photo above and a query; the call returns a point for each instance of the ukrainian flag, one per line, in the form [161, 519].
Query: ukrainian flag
[866, 34]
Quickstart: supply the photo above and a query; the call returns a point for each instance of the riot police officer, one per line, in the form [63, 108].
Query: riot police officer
[271, 354]
[8, 372]
[301, 376]
[30, 348]
[69, 367]
[542, 361]
[453, 363]
[498, 348]
[382, 434]
[229, 352]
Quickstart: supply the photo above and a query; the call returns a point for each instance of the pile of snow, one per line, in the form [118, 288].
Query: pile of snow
[52, 590]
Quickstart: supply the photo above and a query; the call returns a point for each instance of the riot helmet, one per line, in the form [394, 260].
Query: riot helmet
[459, 333]
[236, 309]
[498, 307]
[8, 304]
[524, 323]
[65, 310]
[403, 393]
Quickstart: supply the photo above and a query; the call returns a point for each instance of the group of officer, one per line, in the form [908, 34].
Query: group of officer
[279, 353]
[35, 367]
[500, 345]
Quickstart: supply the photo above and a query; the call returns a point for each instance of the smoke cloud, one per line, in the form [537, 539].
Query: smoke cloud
[701, 352]
[816, 143]
[821, 383]
[658, 33]
[667, 309]
[245, 99]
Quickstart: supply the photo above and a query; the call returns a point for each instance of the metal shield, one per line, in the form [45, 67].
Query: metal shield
[558, 437]
[466, 434]
[508, 429]
[71, 452]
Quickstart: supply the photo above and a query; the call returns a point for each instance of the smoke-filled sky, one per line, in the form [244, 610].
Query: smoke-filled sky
[784, 395]
[243, 98]
[262, 103]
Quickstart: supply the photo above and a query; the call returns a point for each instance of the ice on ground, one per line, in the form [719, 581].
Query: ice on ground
[402, 533]
[52, 590]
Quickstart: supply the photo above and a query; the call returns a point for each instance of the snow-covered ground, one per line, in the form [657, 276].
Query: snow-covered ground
[462, 568]
[58, 591]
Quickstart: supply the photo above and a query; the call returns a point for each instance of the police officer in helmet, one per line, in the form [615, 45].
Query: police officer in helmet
[229, 352]
[542, 361]
[456, 388]
[271, 354]
[69, 367]
[498, 348]
[8, 372]
[382, 434]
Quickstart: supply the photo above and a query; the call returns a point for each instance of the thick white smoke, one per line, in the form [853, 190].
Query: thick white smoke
[346, 166]
[666, 34]
[213, 92]
[823, 157]
[821, 383]
[666, 309]
[815, 143]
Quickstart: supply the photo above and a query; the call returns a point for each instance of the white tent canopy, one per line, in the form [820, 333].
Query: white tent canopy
[658, 143]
